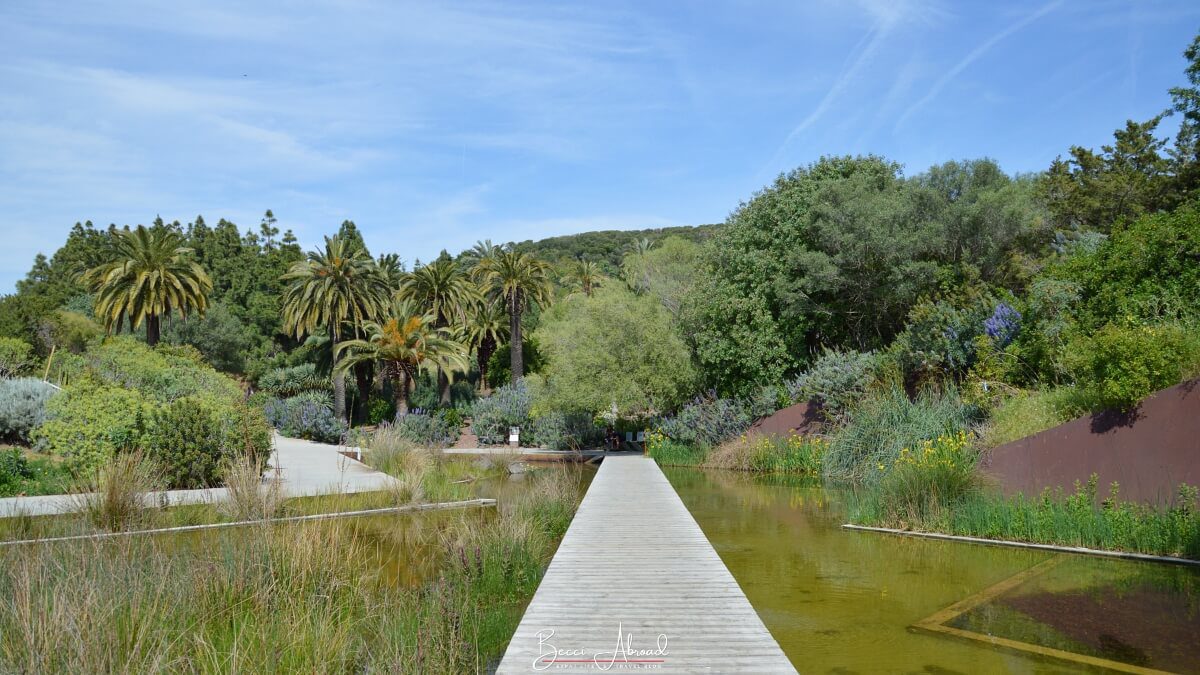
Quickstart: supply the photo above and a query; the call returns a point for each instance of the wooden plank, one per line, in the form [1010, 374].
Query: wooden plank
[635, 585]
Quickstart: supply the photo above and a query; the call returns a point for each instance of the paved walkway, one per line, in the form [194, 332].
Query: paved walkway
[305, 469]
[635, 584]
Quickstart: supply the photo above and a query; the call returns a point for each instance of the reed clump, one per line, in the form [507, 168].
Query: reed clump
[115, 496]
[249, 496]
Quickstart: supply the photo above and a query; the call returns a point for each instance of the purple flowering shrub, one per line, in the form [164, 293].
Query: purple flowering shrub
[1003, 325]
[508, 406]
[707, 421]
[305, 417]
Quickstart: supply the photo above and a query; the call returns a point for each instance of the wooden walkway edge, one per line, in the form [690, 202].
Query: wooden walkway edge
[635, 585]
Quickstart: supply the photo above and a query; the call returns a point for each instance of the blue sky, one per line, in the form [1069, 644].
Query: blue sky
[433, 125]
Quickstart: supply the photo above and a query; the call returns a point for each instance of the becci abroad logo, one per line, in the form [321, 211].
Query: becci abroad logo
[624, 656]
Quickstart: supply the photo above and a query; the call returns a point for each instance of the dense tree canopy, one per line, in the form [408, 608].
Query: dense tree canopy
[837, 253]
[606, 248]
[613, 348]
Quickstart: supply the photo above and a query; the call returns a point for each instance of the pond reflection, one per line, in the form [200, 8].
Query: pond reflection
[843, 601]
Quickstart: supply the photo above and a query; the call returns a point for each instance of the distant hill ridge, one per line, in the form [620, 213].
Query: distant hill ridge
[607, 247]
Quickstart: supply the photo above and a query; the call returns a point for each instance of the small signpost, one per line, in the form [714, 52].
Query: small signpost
[514, 436]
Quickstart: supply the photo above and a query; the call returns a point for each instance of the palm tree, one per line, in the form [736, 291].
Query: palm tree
[585, 273]
[392, 269]
[334, 288]
[521, 280]
[446, 292]
[638, 249]
[482, 249]
[150, 275]
[404, 342]
[485, 330]
[641, 246]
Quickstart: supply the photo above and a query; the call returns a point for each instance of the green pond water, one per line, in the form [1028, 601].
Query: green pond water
[840, 601]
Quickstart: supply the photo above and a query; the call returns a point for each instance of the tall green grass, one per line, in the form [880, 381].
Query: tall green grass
[886, 423]
[1065, 519]
[298, 598]
[668, 452]
[1033, 411]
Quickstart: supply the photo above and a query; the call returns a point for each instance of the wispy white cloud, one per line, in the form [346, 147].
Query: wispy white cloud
[974, 55]
[885, 18]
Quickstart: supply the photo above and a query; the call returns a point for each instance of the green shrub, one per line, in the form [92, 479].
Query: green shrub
[14, 470]
[163, 373]
[22, 407]
[939, 338]
[886, 423]
[669, 452]
[245, 433]
[1146, 270]
[380, 409]
[124, 395]
[508, 406]
[89, 422]
[453, 418]
[836, 379]
[707, 421]
[70, 330]
[562, 431]
[430, 431]
[287, 382]
[20, 475]
[794, 454]
[186, 441]
[16, 357]
[1041, 344]
[1124, 364]
[926, 482]
[305, 417]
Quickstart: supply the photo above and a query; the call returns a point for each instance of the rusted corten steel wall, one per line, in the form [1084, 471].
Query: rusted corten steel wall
[801, 418]
[1149, 452]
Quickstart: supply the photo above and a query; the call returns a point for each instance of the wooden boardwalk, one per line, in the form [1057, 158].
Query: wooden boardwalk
[636, 585]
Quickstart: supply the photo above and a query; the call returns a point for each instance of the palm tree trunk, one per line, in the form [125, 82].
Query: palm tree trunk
[400, 393]
[483, 355]
[516, 352]
[363, 375]
[444, 386]
[339, 395]
[153, 330]
[339, 377]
